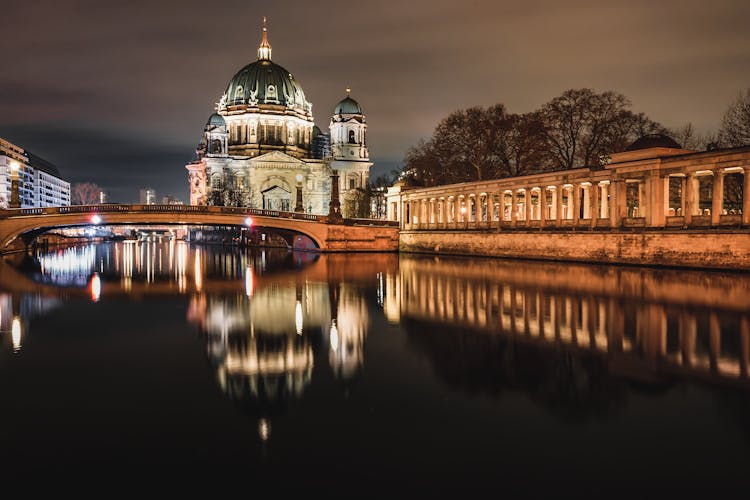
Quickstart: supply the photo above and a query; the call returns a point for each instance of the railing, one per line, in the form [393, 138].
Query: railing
[184, 209]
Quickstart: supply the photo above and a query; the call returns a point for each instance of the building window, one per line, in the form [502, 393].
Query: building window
[351, 137]
[351, 183]
[238, 92]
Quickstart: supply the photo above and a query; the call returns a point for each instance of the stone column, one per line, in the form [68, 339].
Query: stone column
[617, 202]
[657, 186]
[689, 195]
[559, 207]
[527, 206]
[594, 203]
[334, 207]
[717, 201]
[513, 209]
[542, 206]
[604, 200]
[746, 196]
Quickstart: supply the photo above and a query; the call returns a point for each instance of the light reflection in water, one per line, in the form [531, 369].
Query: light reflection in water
[16, 334]
[637, 324]
[96, 287]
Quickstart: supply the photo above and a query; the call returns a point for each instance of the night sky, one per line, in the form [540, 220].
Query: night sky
[117, 93]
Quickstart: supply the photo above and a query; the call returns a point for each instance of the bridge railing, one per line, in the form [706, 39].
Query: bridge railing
[185, 209]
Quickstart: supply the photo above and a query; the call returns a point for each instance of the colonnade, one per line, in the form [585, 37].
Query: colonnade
[662, 192]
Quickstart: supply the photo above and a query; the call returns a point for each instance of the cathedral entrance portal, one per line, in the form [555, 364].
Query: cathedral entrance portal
[277, 198]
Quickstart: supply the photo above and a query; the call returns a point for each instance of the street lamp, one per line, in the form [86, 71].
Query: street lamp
[15, 195]
[298, 207]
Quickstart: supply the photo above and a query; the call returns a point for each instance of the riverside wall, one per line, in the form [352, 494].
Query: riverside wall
[710, 249]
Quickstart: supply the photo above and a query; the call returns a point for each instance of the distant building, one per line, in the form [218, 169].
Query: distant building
[148, 196]
[103, 197]
[39, 181]
[171, 200]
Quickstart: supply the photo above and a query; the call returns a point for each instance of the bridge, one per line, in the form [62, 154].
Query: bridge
[18, 227]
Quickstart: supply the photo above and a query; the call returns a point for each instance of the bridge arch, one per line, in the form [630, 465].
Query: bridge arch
[16, 223]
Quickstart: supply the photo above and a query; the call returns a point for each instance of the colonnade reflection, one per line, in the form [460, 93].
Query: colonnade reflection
[703, 332]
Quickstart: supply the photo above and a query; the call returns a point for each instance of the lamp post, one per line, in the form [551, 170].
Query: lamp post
[299, 207]
[15, 195]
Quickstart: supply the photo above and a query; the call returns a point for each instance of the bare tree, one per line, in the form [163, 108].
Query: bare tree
[523, 146]
[86, 193]
[581, 126]
[735, 125]
[689, 138]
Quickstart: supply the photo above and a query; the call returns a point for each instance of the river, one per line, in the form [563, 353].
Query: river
[370, 374]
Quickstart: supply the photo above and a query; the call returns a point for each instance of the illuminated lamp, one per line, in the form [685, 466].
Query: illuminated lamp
[248, 221]
[96, 219]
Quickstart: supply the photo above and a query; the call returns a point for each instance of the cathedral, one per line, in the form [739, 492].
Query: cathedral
[262, 149]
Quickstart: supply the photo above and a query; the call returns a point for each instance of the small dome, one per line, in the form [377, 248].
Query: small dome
[216, 120]
[654, 141]
[348, 106]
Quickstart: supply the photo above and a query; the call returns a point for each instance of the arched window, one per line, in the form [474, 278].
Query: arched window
[351, 137]
[238, 92]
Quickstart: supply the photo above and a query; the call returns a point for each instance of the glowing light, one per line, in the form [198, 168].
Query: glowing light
[298, 317]
[15, 334]
[264, 429]
[96, 219]
[197, 272]
[334, 336]
[249, 281]
[248, 221]
[95, 287]
[14, 166]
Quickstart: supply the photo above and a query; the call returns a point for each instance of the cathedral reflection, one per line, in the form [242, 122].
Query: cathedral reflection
[263, 344]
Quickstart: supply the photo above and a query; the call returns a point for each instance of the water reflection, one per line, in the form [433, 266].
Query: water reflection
[572, 337]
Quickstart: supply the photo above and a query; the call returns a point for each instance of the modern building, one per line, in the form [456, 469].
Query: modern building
[261, 145]
[39, 181]
[148, 196]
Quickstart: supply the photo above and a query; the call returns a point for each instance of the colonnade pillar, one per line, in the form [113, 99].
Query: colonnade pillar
[542, 206]
[576, 192]
[527, 206]
[690, 199]
[746, 196]
[594, 203]
[717, 199]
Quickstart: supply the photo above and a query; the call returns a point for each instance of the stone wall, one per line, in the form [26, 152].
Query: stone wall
[699, 249]
[362, 239]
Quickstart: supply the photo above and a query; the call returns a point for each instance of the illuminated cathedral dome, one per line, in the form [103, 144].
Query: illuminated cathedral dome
[262, 83]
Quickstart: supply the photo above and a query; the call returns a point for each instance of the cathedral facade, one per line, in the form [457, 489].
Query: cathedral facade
[262, 149]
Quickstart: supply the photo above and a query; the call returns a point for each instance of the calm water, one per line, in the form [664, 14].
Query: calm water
[370, 375]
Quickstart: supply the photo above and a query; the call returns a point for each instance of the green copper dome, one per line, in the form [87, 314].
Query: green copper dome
[348, 106]
[264, 82]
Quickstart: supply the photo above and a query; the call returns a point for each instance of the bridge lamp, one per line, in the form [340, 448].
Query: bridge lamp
[96, 219]
[248, 221]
